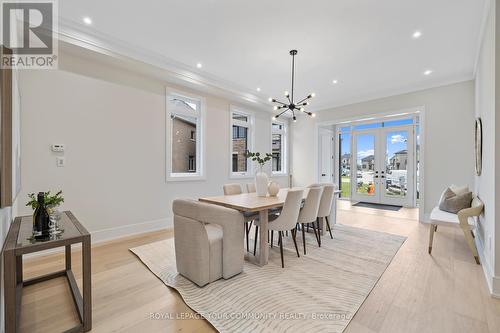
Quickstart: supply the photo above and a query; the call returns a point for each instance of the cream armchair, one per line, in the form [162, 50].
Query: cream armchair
[208, 241]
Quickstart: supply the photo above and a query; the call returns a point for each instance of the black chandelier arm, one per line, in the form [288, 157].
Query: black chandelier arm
[282, 113]
[276, 101]
[304, 99]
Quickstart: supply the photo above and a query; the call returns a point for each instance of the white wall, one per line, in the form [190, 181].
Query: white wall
[489, 232]
[113, 124]
[448, 133]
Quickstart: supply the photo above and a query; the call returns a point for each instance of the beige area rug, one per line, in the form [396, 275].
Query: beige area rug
[318, 292]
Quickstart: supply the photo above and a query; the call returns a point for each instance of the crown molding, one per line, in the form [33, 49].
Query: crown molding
[79, 35]
[76, 34]
[415, 88]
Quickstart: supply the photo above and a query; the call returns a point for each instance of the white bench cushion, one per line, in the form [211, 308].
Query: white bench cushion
[439, 216]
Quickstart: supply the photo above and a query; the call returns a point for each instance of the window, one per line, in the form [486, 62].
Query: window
[241, 132]
[278, 144]
[184, 146]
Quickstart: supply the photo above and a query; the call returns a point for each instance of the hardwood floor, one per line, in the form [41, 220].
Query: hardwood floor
[445, 292]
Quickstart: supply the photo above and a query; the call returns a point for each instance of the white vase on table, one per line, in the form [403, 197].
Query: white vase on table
[261, 181]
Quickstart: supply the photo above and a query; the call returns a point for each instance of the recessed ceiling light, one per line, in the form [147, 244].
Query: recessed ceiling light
[428, 72]
[335, 81]
[258, 89]
[199, 65]
[87, 20]
[417, 34]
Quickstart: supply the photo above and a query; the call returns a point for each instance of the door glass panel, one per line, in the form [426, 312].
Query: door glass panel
[365, 164]
[345, 164]
[396, 164]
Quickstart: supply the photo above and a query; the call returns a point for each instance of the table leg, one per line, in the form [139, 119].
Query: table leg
[263, 247]
[10, 285]
[68, 257]
[87, 284]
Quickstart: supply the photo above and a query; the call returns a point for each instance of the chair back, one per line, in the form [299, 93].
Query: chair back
[231, 189]
[309, 212]
[325, 205]
[251, 188]
[290, 212]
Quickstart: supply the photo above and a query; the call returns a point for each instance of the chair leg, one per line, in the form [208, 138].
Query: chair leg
[431, 236]
[255, 239]
[304, 237]
[294, 237]
[470, 242]
[272, 237]
[281, 248]
[319, 232]
[315, 233]
[328, 225]
[248, 226]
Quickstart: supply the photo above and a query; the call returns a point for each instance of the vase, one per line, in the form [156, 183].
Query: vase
[273, 189]
[261, 181]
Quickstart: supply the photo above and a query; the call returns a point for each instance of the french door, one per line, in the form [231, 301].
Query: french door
[384, 165]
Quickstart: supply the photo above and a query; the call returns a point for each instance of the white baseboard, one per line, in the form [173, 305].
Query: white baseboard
[492, 281]
[109, 234]
[130, 229]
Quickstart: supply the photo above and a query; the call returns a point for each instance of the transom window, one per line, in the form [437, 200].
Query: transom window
[279, 146]
[241, 141]
[184, 147]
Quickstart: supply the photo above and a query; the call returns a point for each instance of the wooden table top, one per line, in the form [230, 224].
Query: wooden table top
[250, 202]
[20, 234]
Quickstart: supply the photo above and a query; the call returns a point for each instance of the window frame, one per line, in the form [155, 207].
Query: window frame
[250, 125]
[199, 136]
[284, 147]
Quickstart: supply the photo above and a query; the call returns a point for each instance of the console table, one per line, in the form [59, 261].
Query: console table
[19, 242]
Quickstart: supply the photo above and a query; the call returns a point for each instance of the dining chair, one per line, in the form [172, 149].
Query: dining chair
[287, 220]
[233, 189]
[309, 212]
[325, 208]
[251, 188]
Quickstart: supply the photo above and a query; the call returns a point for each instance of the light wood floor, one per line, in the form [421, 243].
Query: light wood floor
[445, 292]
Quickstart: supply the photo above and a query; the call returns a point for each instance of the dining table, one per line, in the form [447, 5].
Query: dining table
[252, 203]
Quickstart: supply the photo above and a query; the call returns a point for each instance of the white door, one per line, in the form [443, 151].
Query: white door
[384, 165]
[326, 157]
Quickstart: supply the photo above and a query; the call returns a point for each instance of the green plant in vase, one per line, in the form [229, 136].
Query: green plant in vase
[261, 178]
[45, 204]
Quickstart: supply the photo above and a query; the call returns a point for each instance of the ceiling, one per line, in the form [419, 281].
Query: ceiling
[366, 45]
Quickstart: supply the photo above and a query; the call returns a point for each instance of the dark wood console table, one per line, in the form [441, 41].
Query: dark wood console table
[19, 242]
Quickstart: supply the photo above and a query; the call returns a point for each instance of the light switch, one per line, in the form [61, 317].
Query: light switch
[60, 161]
[58, 148]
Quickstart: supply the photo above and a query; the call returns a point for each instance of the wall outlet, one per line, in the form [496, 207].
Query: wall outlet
[58, 148]
[60, 161]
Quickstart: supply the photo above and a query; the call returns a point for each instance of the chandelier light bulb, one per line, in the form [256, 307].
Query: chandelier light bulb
[313, 94]
[275, 107]
[294, 119]
[287, 94]
[270, 99]
[313, 115]
[302, 109]
[273, 118]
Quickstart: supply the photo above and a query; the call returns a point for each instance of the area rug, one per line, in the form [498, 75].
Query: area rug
[318, 292]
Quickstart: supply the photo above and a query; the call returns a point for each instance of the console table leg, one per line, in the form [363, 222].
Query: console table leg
[68, 257]
[10, 286]
[87, 285]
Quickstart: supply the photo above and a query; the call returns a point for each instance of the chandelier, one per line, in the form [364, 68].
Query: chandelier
[291, 105]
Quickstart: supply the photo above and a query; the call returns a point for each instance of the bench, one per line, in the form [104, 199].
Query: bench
[463, 219]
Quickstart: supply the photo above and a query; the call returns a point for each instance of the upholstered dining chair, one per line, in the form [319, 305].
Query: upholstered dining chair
[233, 189]
[208, 241]
[251, 188]
[309, 212]
[325, 208]
[287, 220]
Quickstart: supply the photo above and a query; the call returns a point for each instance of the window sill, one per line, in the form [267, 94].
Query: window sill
[185, 177]
[240, 176]
[279, 174]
